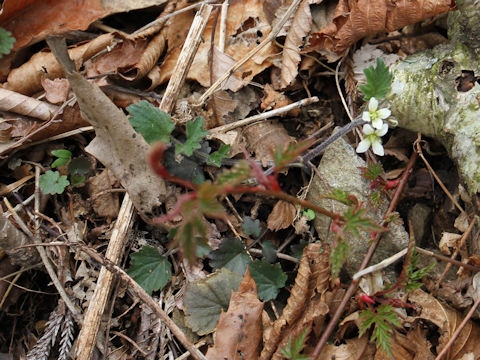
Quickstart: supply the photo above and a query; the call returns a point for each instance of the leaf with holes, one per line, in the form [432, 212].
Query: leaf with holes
[151, 270]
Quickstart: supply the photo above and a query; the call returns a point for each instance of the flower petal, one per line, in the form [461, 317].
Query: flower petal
[377, 123]
[367, 129]
[383, 130]
[363, 145]
[366, 116]
[384, 113]
[377, 147]
[373, 105]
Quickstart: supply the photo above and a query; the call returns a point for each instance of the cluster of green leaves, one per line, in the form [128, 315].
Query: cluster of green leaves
[156, 125]
[52, 182]
[293, 348]
[379, 80]
[383, 318]
[6, 42]
[414, 276]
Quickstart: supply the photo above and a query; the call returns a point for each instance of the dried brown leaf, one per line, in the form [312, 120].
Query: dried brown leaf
[116, 144]
[264, 138]
[353, 20]
[238, 330]
[282, 216]
[27, 78]
[25, 105]
[300, 27]
[107, 204]
[56, 91]
[274, 100]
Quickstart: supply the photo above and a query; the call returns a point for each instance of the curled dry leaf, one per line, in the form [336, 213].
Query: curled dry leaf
[300, 27]
[27, 78]
[238, 329]
[25, 105]
[354, 20]
[447, 320]
[281, 216]
[274, 100]
[448, 240]
[305, 304]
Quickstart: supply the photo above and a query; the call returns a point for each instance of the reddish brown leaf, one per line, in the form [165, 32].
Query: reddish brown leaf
[281, 216]
[238, 330]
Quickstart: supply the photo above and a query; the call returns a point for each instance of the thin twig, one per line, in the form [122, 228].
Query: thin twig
[262, 116]
[223, 26]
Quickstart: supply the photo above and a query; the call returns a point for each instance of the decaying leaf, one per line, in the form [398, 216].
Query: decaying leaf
[264, 138]
[353, 20]
[56, 91]
[238, 329]
[106, 204]
[282, 215]
[27, 78]
[116, 145]
[24, 105]
[300, 27]
[305, 304]
[448, 240]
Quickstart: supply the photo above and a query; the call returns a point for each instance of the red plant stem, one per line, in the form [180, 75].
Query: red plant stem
[354, 284]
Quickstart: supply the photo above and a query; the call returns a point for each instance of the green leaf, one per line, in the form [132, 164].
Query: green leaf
[216, 157]
[52, 183]
[379, 80]
[269, 250]
[151, 270]
[152, 123]
[190, 233]
[292, 351]
[268, 277]
[251, 227]
[79, 166]
[206, 298]
[234, 176]
[77, 180]
[309, 213]
[414, 276]
[231, 254]
[6, 42]
[195, 134]
[384, 319]
[63, 156]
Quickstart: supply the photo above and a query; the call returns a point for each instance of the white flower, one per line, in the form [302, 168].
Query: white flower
[372, 138]
[375, 115]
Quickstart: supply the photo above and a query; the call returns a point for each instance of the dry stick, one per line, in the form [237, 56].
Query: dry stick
[147, 299]
[117, 243]
[459, 329]
[262, 116]
[223, 26]
[460, 244]
[45, 260]
[371, 250]
[238, 64]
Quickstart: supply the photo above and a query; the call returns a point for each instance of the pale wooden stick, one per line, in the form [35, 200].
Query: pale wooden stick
[223, 26]
[260, 117]
[86, 338]
[255, 50]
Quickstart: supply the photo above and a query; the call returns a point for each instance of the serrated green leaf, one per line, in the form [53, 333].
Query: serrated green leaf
[195, 134]
[6, 42]
[309, 213]
[216, 157]
[251, 227]
[205, 298]
[269, 251]
[292, 350]
[52, 183]
[379, 80]
[339, 256]
[152, 123]
[231, 254]
[151, 270]
[269, 279]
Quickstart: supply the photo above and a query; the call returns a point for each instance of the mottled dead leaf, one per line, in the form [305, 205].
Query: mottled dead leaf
[238, 331]
[282, 216]
[107, 204]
